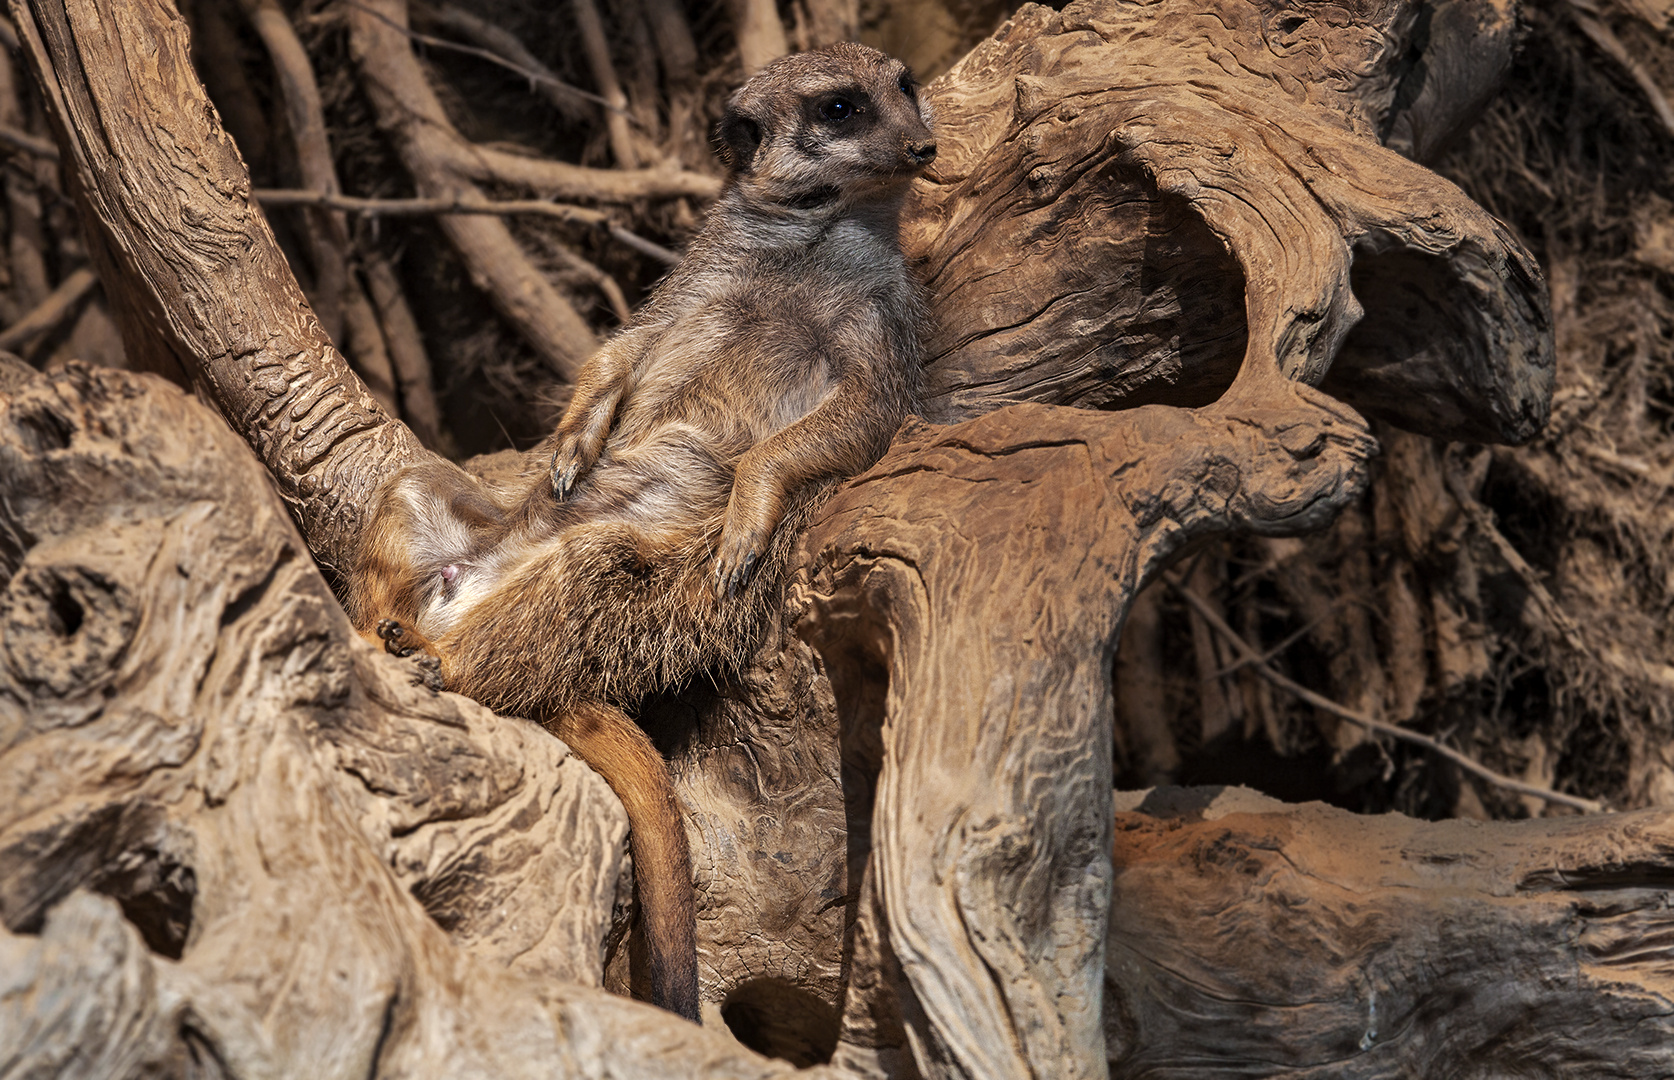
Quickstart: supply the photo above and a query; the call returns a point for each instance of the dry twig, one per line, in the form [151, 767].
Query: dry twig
[327, 238]
[675, 47]
[1248, 652]
[535, 73]
[406, 350]
[508, 51]
[1557, 620]
[446, 148]
[383, 341]
[1585, 14]
[433, 152]
[760, 34]
[597, 49]
[430, 207]
[23, 184]
[29, 144]
[51, 311]
[563, 180]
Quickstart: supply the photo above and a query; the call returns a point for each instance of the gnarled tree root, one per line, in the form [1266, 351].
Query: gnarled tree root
[318, 867]
[986, 568]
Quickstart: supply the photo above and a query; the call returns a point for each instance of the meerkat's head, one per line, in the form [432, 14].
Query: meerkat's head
[841, 124]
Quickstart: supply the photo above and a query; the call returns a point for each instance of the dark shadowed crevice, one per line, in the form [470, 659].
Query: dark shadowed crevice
[774, 1017]
[1410, 72]
[251, 596]
[64, 613]
[156, 893]
[127, 853]
[1425, 358]
[42, 430]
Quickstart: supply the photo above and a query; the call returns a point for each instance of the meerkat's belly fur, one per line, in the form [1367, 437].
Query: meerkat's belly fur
[777, 358]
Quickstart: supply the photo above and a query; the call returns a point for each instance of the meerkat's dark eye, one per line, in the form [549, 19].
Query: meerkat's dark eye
[906, 84]
[838, 109]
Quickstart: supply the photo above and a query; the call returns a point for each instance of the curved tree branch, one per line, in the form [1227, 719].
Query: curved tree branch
[987, 567]
[192, 266]
[1153, 141]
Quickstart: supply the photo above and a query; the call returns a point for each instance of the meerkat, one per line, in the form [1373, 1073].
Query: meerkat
[777, 358]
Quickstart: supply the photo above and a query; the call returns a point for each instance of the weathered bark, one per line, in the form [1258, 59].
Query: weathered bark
[319, 867]
[1250, 938]
[990, 588]
[1098, 165]
[197, 282]
[900, 816]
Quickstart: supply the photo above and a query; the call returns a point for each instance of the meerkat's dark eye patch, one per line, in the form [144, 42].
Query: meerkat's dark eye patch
[908, 84]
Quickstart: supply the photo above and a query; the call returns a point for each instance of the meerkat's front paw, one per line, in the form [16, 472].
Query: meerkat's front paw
[741, 548]
[570, 463]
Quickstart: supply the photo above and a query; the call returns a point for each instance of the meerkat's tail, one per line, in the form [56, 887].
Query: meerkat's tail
[606, 739]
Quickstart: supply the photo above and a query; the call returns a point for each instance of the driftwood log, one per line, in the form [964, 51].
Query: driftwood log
[247, 844]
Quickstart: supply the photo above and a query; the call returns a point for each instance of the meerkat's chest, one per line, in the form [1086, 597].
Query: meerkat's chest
[785, 338]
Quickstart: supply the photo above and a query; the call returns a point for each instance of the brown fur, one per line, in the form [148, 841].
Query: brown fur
[779, 356]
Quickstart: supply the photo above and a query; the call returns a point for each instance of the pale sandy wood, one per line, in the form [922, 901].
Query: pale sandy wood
[991, 588]
[325, 869]
[901, 814]
[1250, 938]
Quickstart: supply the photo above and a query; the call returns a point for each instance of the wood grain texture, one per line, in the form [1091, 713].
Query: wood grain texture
[1133, 200]
[901, 814]
[1384, 946]
[318, 867]
[985, 568]
[199, 285]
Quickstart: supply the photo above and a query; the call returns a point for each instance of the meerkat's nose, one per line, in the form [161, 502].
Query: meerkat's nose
[923, 153]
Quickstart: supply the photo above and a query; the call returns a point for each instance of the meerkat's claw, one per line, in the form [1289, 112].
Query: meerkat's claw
[734, 566]
[742, 574]
[563, 478]
[391, 631]
[571, 461]
[399, 643]
[429, 673]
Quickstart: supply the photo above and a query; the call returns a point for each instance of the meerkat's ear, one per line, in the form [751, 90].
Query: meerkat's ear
[737, 137]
